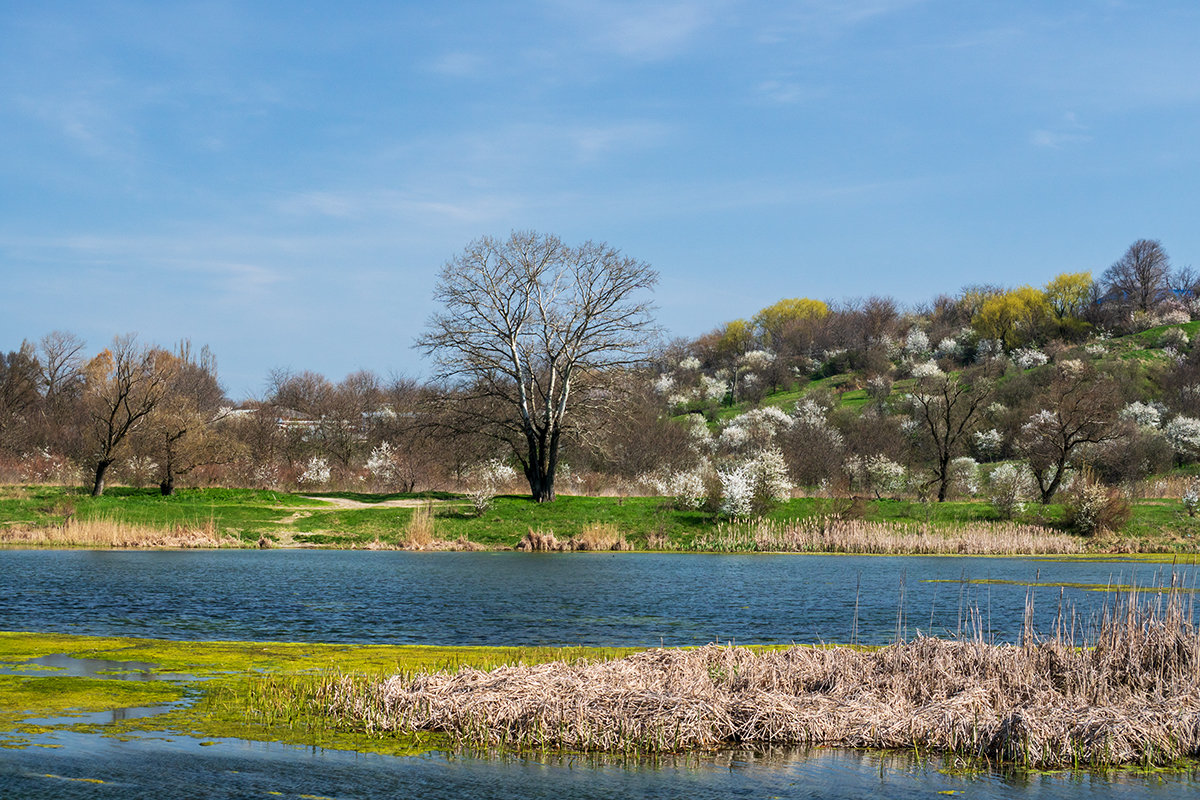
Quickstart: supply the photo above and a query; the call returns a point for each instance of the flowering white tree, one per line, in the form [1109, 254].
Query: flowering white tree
[1183, 434]
[1146, 415]
[484, 482]
[316, 473]
[878, 474]
[1009, 486]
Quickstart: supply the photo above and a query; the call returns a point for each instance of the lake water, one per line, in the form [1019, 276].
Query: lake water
[513, 598]
[553, 599]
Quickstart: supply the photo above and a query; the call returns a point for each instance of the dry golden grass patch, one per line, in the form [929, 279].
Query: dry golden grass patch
[109, 532]
[826, 535]
[1132, 697]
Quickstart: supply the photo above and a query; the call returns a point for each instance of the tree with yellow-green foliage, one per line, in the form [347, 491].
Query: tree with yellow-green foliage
[1068, 293]
[774, 319]
[734, 339]
[1012, 316]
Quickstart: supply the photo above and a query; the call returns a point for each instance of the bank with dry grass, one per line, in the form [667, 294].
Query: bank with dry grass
[108, 532]
[1132, 696]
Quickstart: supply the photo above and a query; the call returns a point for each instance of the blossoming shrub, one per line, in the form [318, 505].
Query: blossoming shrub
[484, 482]
[1092, 507]
[1183, 433]
[316, 473]
[753, 486]
[964, 476]
[877, 474]
[1009, 486]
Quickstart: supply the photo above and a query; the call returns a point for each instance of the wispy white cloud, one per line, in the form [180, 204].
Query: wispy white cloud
[476, 207]
[459, 64]
[825, 18]
[786, 92]
[642, 31]
[1067, 131]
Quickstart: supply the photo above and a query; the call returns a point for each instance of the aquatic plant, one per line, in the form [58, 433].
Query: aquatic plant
[1131, 696]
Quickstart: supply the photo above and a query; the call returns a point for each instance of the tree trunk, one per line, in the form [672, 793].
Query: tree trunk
[541, 486]
[943, 477]
[167, 486]
[98, 484]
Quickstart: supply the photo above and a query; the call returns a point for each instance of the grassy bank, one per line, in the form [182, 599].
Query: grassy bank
[54, 516]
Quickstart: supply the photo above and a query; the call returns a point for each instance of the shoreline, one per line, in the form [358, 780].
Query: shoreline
[979, 705]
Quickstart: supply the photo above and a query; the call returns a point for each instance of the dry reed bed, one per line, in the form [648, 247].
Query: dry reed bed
[106, 532]
[830, 535]
[1133, 697]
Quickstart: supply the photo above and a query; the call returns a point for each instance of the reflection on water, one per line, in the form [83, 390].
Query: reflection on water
[94, 767]
[642, 599]
[67, 666]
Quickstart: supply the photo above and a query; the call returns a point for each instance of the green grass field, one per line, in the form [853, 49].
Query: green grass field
[283, 519]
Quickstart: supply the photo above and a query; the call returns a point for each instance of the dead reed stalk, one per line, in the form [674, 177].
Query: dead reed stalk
[830, 535]
[420, 532]
[1133, 697]
[103, 532]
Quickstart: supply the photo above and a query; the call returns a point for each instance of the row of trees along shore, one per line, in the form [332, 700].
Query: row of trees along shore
[547, 362]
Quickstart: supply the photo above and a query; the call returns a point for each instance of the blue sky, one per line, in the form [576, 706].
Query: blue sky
[283, 180]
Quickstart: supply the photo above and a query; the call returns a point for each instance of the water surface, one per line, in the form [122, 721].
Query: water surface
[636, 599]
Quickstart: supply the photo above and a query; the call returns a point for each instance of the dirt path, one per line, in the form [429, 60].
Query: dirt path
[342, 502]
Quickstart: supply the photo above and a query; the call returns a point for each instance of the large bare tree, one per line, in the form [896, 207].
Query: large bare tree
[1079, 406]
[124, 384]
[528, 321]
[1138, 279]
[947, 408]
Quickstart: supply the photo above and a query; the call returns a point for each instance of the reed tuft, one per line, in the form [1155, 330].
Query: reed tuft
[1131, 697]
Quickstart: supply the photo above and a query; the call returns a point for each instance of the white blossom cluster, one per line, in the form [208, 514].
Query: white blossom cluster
[485, 480]
[1028, 357]
[44, 466]
[916, 343]
[1146, 415]
[877, 474]
[1191, 497]
[964, 476]
[757, 427]
[1009, 487]
[757, 360]
[686, 488]
[384, 463]
[987, 443]
[926, 369]
[1183, 434]
[316, 472]
[754, 485]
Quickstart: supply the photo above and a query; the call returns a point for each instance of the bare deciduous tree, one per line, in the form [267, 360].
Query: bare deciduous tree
[1079, 406]
[1138, 279]
[946, 409]
[526, 322]
[124, 384]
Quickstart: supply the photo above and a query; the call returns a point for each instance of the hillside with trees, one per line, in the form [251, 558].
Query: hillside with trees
[1081, 393]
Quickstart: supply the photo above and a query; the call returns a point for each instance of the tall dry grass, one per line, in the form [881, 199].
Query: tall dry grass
[1131, 697]
[829, 535]
[594, 536]
[104, 532]
[419, 535]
